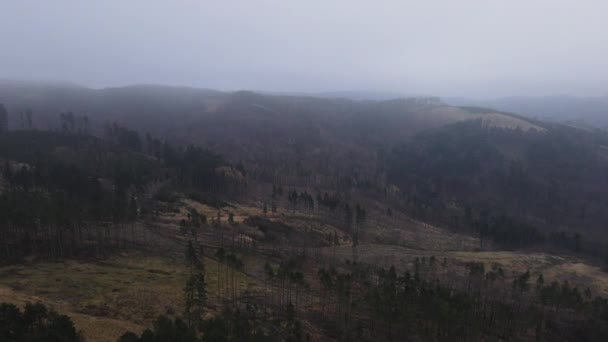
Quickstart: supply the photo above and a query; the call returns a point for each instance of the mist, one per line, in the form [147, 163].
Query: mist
[472, 48]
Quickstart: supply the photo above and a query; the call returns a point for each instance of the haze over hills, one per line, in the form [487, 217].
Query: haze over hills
[120, 103]
[304, 171]
[591, 111]
[125, 103]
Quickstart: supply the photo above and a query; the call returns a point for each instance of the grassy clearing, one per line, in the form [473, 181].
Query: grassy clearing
[421, 236]
[130, 287]
[124, 291]
[514, 261]
[240, 211]
[553, 267]
[581, 275]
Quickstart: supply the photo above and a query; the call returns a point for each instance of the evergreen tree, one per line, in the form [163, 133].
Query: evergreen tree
[35, 323]
[195, 290]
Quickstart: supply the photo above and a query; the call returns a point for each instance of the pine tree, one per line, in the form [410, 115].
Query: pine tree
[195, 290]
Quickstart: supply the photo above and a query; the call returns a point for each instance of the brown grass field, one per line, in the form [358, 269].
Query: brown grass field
[106, 298]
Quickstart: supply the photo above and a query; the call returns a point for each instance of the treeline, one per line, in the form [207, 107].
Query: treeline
[241, 324]
[190, 167]
[323, 202]
[35, 323]
[60, 190]
[65, 193]
[371, 304]
[503, 230]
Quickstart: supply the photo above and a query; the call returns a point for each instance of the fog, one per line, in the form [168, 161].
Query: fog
[474, 48]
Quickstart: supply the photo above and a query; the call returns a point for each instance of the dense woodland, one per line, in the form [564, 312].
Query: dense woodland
[84, 188]
[512, 187]
[68, 193]
[36, 323]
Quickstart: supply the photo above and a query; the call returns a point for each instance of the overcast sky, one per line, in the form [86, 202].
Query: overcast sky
[474, 48]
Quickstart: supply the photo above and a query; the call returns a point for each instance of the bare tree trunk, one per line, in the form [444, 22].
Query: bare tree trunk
[59, 237]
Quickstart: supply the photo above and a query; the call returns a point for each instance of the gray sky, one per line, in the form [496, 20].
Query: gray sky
[472, 48]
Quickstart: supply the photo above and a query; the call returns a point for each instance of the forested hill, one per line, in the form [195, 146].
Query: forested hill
[514, 187]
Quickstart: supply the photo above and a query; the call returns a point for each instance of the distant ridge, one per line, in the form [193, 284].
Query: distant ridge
[585, 111]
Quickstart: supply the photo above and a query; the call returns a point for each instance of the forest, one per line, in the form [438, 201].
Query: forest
[517, 188]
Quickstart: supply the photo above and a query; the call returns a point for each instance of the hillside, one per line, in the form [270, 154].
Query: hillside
[288, 218]
[549, 182]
